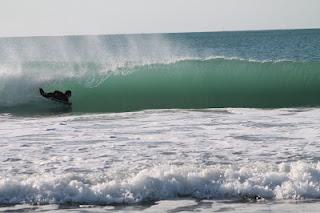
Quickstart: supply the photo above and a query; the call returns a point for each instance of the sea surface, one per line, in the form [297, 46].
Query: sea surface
[205, 122]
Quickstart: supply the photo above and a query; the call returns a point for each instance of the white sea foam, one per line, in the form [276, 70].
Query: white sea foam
[298, 181]
[237, 154]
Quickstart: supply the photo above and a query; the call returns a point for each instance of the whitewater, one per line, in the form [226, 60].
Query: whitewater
[225, 121]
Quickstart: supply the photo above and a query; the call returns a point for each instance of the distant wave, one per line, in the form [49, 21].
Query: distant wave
[297, 180]
[180, 83]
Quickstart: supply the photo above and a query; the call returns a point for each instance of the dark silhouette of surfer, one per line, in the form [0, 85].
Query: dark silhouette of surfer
[57, 95]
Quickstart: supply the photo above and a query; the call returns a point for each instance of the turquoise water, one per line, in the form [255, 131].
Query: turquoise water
[264, 69]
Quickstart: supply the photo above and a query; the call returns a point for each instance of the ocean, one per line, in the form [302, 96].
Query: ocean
[206, 122]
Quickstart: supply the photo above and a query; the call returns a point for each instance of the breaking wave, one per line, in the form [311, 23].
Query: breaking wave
[297, 180]
[184, 83]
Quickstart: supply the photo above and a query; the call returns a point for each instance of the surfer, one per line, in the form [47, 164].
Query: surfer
[58, 95]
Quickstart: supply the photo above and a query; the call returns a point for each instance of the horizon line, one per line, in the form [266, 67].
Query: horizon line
[153, 33]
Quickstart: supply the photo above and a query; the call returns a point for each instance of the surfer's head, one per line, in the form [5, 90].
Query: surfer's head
[68, 93]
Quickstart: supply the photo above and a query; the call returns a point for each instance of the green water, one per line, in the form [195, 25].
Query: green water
[203, 84]
[262, 69]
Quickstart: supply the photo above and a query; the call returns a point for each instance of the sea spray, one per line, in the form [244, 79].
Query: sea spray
[133, 72]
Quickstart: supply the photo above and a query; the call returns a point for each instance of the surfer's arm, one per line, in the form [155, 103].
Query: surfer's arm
[43, 93]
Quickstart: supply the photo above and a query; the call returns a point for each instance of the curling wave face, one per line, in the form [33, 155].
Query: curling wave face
[133, 72]
[193, 83]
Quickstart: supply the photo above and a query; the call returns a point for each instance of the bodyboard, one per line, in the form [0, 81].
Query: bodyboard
[60, 101]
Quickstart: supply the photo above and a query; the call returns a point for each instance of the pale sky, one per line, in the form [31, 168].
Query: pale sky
[73, 17]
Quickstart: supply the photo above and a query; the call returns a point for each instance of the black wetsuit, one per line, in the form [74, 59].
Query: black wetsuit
[56, 94]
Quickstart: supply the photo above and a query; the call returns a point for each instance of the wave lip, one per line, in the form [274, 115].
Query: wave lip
[297, 180]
